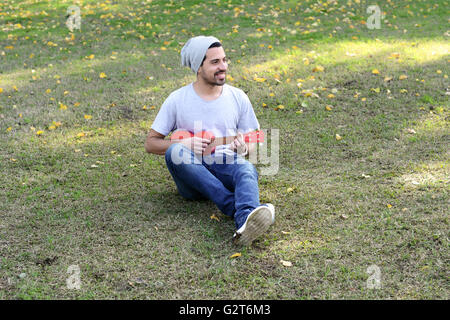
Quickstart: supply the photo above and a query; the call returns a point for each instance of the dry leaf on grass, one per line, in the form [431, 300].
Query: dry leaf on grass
[286, 263]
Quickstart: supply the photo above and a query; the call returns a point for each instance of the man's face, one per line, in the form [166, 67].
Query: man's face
[213, 70]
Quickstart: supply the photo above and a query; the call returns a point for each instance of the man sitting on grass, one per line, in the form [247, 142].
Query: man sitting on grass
[219, 173]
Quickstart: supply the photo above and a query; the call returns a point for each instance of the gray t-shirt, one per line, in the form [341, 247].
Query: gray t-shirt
[224, 116]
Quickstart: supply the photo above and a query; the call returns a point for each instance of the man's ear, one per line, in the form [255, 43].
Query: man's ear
[200, 70]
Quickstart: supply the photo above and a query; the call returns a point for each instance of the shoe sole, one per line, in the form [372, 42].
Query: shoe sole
[257, 225]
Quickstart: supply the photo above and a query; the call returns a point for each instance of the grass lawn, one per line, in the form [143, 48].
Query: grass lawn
[363, 179]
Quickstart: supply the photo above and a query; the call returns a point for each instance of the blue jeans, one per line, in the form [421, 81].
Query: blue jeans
[231, 182]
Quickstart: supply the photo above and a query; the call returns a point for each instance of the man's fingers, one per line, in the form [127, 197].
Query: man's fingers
[202, 140]
[240, 138]
[199, 145]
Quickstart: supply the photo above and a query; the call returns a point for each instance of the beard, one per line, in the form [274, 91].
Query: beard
[218, 79]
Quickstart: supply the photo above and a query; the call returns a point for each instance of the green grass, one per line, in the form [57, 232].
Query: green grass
[85, 192]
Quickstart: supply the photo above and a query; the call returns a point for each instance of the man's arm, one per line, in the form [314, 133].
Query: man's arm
[155, 143]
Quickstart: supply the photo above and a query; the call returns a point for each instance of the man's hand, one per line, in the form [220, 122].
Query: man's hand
[239, 146]
[196, 144]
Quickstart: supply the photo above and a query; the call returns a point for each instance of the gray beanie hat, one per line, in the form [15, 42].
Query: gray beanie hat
[194, 51]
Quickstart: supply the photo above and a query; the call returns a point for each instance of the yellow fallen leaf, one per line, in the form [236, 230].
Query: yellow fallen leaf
[1, 90]
[318, 69]
[214, 217]
[288, 190]
[387, 79]
[87, 116]
[338, 137]
[56, 123]
[238, 254]
[328, 108]
[376, 90]
[331, 96]
[8, 129]
[403, 77]
[81, 134]
[259, 79]
[375, 71]
[389, 205]
[39, 132]
[102, 75]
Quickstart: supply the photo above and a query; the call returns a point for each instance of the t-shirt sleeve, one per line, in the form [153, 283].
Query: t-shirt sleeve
[166, 118]
[247, 119]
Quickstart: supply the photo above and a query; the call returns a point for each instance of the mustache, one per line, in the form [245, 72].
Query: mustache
[221, 71]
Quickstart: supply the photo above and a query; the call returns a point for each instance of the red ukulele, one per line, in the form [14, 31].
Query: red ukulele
[251, 137]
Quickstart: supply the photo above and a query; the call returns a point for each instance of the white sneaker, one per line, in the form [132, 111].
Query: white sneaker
[256, 224]
[272, 210]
